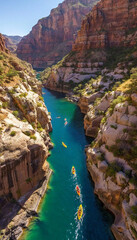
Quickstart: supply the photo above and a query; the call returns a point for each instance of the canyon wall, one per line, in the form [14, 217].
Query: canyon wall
[111, 23]
[2, 44]
[100, 72]
[111, 160]
[52, 37]
[25, 124]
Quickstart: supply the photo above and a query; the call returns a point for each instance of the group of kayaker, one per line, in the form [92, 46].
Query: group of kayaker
[80, 210]
[66, 122]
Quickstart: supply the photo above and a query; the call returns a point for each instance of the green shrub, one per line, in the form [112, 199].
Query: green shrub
[33, 124]
[15, 113]
[117, 151]
[113, 126]
[119, 99]
[24, 120]
[1, 57]
[104, 119]
[12, 91]
[134, 231]
[134, 213]
[33, 137]
[41, 98]
[1, 70]
[39, 104]
[133, 132]
[28, 180]
[11, 125]
[23, 80]
[101, 157]
[39, 127]
[23, 94]
[133, 180]
[107, 147]
[112, 169]
[27, 133]
[5, 104]
[11, 73]
[128, 173]
[92, 144]
[125, 130]
[13, 133]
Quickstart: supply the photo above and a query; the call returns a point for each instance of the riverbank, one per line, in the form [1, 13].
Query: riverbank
[24, 210]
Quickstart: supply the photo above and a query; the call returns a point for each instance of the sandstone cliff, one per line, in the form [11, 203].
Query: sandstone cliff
[104, 56]
[52, 37]
[2, 44]
[111, 160]
[109, 24]
[24, 142]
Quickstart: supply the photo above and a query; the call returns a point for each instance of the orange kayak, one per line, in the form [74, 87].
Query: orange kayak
[78, 190]
[73, 170]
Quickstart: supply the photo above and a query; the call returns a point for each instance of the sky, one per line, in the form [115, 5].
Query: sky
[17, 17]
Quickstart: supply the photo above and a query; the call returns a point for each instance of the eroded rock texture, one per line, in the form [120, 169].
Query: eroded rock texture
[52, 37]
[111, 23]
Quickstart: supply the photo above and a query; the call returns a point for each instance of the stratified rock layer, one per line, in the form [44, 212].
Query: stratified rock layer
[2, 44]
[24, 143]
[111, 23]
[52, 37]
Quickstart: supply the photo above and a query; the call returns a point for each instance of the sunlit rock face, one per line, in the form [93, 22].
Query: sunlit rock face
[52, 37]
[109, 24]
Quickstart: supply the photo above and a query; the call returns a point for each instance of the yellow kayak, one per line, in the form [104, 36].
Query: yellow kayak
[73, 170]
[80, 212]
[64, 144]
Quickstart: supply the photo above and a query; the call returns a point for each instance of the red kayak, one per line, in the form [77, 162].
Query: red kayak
[78, 190]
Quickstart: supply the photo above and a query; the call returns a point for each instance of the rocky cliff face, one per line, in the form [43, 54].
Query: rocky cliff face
[24, 140]
[111, 160]
[52, 37]
[2, 44]
[109, 24]
[104, 56]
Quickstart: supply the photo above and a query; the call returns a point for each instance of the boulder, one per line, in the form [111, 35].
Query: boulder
[133, 200]
[121, 178]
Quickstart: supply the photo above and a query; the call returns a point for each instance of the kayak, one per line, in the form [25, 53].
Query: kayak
[80, 212]
[64, 145]
[73, 170]
[78, 190]
[65, 123]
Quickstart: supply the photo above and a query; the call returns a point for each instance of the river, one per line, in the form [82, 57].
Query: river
[58, 212]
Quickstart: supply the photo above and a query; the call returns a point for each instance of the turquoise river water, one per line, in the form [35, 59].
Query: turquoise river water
[58, 213]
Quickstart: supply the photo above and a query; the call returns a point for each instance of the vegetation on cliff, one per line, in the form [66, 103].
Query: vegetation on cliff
[101, 72]
[25, 124]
